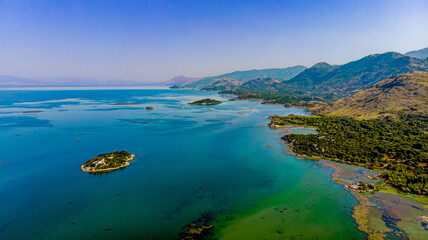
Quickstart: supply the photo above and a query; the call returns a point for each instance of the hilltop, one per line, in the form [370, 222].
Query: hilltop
[400, 93]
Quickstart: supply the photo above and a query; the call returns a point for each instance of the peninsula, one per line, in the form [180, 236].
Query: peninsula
[206, 101]
[108, 162]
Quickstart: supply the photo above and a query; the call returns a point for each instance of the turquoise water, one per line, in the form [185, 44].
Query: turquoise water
[47, 134]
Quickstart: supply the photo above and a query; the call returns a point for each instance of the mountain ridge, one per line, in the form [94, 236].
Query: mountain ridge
[282, 74]
[343, 80]
[421, 53]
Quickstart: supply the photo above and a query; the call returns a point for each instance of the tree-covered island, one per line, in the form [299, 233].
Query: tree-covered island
[108, 162]
[206, 101]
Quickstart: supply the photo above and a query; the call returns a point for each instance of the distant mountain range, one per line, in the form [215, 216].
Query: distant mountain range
[422, 53]
[282, 74]
[179, 81]
[406, 92]
[325, 81]
[12, 81]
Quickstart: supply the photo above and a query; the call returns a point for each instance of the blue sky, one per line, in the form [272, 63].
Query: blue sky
[150, 41]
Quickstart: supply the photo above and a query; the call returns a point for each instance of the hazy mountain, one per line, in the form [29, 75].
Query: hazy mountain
[282, 74]
[12, 81]
[179, 81]
[422, 53]
[403, 92]
[343, 80]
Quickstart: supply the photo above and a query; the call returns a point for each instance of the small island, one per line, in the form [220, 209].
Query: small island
[108, 162]
[176, 87]
[206, 101]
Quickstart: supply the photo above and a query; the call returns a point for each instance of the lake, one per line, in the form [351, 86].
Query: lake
[190, 160]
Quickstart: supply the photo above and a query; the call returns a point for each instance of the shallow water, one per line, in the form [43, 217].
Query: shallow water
[179, 148]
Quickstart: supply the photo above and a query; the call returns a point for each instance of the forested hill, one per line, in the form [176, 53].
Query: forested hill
[339, 81]
[260, 84]
[282, 74]
[310, 77]
[222, 84]
[400, 93]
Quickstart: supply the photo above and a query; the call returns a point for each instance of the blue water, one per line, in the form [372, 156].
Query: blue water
[45, 195]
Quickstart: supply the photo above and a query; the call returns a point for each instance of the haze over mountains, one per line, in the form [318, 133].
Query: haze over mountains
[12, 81]
[180, 81]
[322, 79]
[422, 53]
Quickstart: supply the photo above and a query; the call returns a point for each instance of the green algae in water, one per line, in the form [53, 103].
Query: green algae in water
[306, 210]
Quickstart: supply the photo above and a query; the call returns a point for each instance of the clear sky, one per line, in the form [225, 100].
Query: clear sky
[151, 41]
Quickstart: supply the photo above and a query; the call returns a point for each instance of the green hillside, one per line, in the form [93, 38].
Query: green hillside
[340, 81]
[309, 78]
[222, 84]
[261, 84]
[282, 74]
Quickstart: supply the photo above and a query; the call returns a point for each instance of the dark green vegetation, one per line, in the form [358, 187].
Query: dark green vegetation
[199, 229]
[275, 98]
[107, 161]
[206, 101]
[422, 53]
[282, 74]
[176, 87]
[400, 93]
[398, 145]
